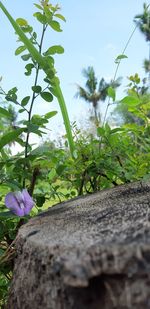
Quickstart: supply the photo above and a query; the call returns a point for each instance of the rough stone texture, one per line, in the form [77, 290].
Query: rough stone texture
[91, 252]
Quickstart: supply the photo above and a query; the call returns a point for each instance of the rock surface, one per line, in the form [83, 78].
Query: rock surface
[91, 252]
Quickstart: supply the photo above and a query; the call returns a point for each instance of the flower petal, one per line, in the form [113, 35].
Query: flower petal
[28, 201]
[12, 203]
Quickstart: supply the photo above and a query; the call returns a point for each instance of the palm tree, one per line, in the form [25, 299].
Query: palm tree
[95, 92]
[146, 65]
[10, 123]
[143, 23]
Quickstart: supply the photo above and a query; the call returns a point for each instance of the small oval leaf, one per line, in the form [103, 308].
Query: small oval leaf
[50, 114]
[130, 101]
[21, 22]
[55, 25]
[19, 50]
[47, 96]
[111, 93]
[25, 101]
[37, 89]
[120, 57]
[40, 17]
[60, 17]
[10, 137]
[26, 57]
[55, 49]
[4, 112]
[52, 174]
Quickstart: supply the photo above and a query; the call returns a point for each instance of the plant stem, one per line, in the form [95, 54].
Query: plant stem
[32, 101]
[116, 71]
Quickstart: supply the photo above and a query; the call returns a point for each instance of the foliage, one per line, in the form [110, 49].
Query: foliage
[116, 156]
[31, 166]
[85, 163]
[136, 89]
[41, 60]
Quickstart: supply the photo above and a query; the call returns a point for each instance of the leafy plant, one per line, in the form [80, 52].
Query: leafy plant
[28, 168]
[49, 172]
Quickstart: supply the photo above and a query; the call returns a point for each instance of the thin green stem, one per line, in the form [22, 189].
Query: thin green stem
[37, 73]
[116, 71]
[32, 101]
[126, 46]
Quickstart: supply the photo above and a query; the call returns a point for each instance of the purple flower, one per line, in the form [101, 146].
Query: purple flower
[20, 203]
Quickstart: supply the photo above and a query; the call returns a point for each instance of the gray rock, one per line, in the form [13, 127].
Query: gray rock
[91, 252]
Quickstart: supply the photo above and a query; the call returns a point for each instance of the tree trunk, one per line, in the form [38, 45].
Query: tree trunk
[88, 253]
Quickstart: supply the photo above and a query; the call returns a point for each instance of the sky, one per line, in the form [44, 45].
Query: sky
[94, 34]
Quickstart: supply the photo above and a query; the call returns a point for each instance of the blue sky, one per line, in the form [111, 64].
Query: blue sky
[95, 32]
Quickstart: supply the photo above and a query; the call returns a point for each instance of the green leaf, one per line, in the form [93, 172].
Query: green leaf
[55, 25]
[50, 114]
[130, 101]
[52, 174]
[38, 6]
[34, 34]
[21, 22]
[40, 150]
[21, 110]
[10, 137]
[11, 95]
[13, 90]
[111, 93]
[19, 50]
[40, 200]
[60, 17]
[6, 215]
[37, 89]
[48, 14]
[47, 96]
[14, 185]
[40, 17]
[4, 112]
[120, 57]
[29, 68]
[25, 101]
[56, 49]
[60, 169]
[33, 127]
[26, 57]
[38, 120]
[26, 29]
[100, 131]
[113, 131]
[20, 142]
